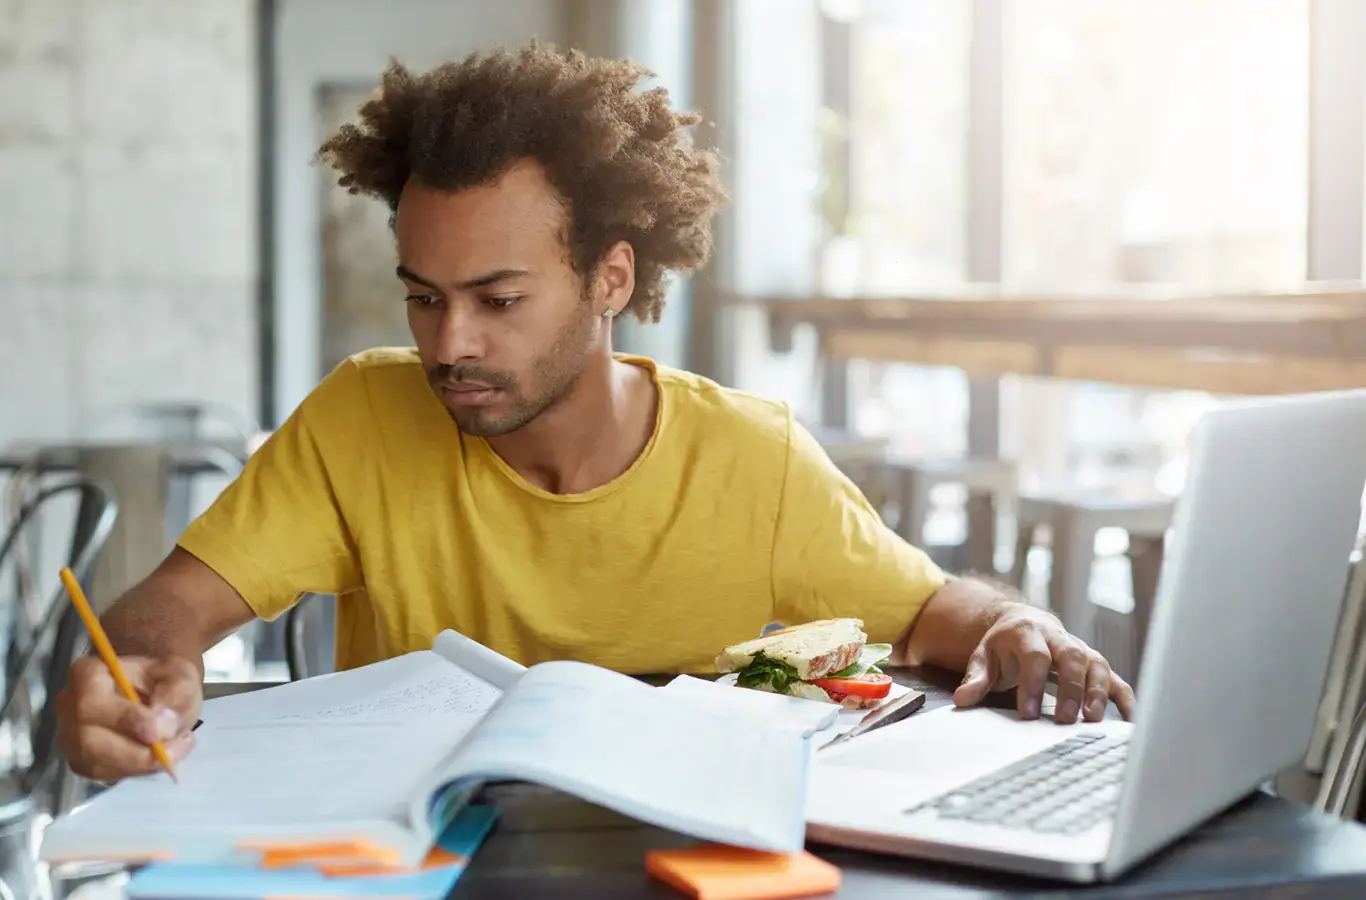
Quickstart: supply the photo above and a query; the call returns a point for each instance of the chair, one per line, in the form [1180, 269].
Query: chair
[44, 641]
[1340, 791]
[991, 487]
[1120, 636]
[907, 484]
[1342, 750]
[296, 634]
[1073, 523]
[296, 654]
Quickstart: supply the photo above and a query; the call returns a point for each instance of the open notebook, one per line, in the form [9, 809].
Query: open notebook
[374, 762]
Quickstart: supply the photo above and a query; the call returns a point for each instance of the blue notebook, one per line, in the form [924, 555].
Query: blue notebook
[183, 881]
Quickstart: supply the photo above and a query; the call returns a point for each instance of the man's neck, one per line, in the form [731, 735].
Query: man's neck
[591, 436]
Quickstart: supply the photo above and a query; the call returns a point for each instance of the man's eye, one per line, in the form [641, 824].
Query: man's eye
[502, 302]
[421, 299]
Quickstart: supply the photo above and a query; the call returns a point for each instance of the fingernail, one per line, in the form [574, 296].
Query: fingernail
[1098, 708]
[1068, 711]
[1031, 708]
[180, 747]
[168, 723]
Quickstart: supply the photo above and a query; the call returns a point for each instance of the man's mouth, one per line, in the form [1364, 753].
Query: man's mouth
[468, 393]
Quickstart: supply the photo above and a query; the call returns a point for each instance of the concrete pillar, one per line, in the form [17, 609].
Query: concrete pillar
[139, 477]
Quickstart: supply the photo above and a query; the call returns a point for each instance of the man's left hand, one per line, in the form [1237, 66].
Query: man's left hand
[1021, 648]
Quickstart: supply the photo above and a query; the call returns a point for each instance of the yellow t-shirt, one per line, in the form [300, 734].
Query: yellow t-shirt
[731, 518]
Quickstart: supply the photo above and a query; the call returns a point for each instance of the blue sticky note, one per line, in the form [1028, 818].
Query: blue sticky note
[162, 881]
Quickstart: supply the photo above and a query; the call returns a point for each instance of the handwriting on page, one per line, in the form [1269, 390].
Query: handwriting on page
[473, 657]
[417, 685]
[452, 693]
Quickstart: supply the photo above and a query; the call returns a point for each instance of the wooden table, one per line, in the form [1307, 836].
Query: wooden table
[548, 845]
[1237, 344]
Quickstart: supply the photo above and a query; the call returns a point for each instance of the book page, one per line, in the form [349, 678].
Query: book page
[759, 709]
[647, 753]
[475, 658]
[251, 783]
[411, 686]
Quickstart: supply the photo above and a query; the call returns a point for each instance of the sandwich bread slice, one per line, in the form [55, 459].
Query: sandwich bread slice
[828, 660]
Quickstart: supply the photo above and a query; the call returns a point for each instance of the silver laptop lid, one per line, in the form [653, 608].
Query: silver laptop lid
[1247, 605]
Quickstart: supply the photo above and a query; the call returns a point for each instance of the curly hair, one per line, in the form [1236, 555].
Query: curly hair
[619, 157]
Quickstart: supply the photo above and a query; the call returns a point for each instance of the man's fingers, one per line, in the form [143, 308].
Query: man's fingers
[107, 736]
[107, 755]
[103, 707]
[89, 674]
[1071, 660]
[977, 682]
[1098, 680]
[95, 701]
[89, 678]
[1035, 662]
[176, 695]
[138, 722]
[1123, 695]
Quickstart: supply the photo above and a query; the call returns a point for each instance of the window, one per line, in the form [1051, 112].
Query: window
[1153, 144]
[904, 119]
[1160, 143]
[895, 157]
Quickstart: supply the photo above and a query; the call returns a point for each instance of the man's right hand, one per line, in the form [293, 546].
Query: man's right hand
[107, 737]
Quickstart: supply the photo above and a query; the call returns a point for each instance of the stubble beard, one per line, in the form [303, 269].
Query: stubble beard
[555, 374]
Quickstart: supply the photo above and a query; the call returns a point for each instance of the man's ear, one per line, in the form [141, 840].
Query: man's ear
[614, 279]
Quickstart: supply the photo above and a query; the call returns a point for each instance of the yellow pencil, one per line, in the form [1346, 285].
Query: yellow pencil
[111, 659]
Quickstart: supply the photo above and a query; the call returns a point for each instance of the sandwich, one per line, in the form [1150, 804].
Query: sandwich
[827, 660]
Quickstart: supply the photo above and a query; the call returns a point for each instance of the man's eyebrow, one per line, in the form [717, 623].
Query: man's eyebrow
[481, 281]
[406, 275]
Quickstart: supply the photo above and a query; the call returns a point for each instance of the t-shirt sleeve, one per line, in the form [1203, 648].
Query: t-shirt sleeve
[278, 530]
[834, 557]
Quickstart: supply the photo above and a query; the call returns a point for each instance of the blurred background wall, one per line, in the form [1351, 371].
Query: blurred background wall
[128, 151]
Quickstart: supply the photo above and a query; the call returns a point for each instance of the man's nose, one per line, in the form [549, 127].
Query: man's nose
[459, 338]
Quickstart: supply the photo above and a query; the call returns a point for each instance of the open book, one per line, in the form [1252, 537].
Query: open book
[374, 762]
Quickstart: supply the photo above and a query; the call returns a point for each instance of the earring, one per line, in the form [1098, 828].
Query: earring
[609, 313]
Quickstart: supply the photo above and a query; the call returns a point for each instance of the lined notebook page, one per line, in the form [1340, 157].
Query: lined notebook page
[646, 753]
[396, 690]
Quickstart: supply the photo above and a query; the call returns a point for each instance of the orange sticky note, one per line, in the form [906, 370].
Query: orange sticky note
[718, 872]
[288, 856]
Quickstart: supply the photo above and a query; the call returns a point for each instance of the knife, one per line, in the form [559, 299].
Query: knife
[883, 715]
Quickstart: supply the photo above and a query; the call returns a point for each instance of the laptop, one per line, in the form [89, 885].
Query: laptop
[1247, 606]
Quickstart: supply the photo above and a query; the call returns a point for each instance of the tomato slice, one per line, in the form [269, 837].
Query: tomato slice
[868, 685]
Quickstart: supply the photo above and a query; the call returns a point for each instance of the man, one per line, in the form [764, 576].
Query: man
[515, 480]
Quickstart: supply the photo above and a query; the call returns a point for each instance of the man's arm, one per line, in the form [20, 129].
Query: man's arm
[953, 623]
[179, 611]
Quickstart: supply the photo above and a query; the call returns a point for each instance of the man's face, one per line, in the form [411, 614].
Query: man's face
[500, 317]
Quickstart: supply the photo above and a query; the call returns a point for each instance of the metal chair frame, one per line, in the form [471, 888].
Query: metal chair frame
[55, 632]
[1338, 749]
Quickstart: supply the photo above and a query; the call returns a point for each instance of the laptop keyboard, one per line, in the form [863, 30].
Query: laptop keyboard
[1064, 789]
